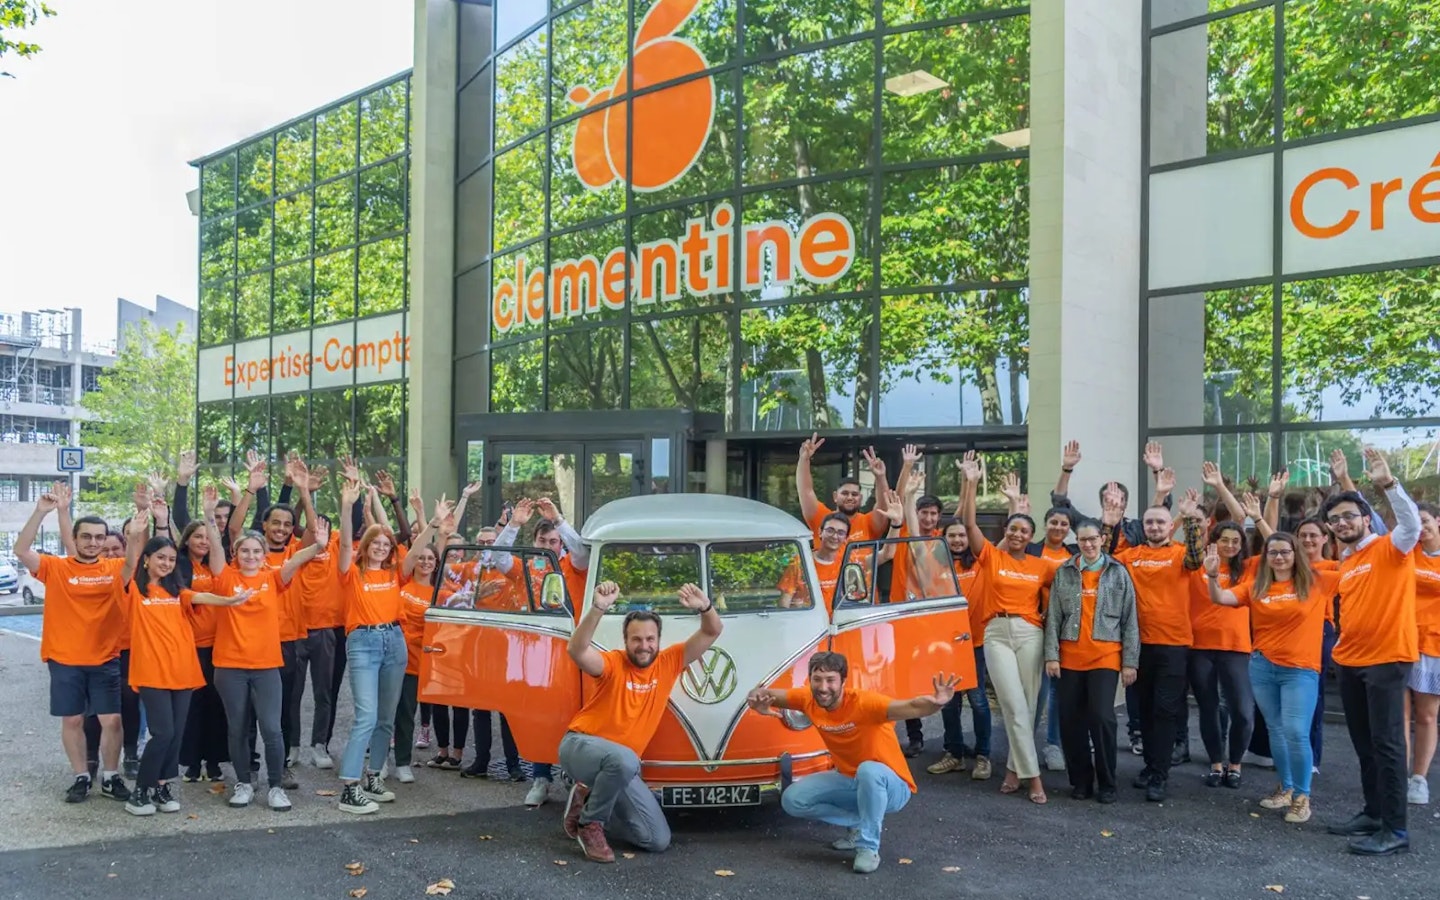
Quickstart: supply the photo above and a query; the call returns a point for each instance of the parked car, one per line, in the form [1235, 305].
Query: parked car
[9, 577]
[509, 653]
[31, 588]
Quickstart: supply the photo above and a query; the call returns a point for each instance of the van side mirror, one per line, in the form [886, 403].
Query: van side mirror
[552, 592]
[852, 581]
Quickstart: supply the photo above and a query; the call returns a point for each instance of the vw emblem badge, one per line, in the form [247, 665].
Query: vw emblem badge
[711, 678]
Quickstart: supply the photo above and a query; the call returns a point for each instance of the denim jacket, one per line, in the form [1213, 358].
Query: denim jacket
[1115, 617]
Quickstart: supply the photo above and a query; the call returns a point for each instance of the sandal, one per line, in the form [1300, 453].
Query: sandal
[1039, 798]
[1008, 788]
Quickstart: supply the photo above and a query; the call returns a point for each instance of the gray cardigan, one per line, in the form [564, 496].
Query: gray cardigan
[1115, 617]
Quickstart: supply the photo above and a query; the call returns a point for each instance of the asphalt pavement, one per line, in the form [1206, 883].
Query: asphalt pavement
[955, 838]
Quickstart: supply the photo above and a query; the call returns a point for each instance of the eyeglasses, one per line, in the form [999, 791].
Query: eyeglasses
[1277, 552]
[1344, 517]
[1091, 539]
[834, 533]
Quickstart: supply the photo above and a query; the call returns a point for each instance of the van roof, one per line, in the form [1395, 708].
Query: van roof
[690, 517]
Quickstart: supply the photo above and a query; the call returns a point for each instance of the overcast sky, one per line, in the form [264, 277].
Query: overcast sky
[97, 131]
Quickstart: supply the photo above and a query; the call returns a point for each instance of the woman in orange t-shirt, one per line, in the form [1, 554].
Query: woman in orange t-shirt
[164, 668]
[1318, 548]
[1287, 601]
[205, 741]
[1014, 629]
[970, 575]
[1423, 698]
[417, 588]
[1219, 658]
[374, 651]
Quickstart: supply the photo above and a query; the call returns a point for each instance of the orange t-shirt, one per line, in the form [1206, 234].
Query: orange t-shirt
[162, 653]
[372, 597]
[1289, 629]
[412, 620]
[861, 528]
[792, 582]
[1162, 593]
[317, 588]
[973, 587]
[454, 577]
[1427, 601]
[203, 618]
[248, 636]
[902, 577]
[857, 730]
[83, 612]
[1216, 627]
[628, 702]
[1377, 606]
[1055, 554]
[1016, 586]
[292, 627]
[1087, 653]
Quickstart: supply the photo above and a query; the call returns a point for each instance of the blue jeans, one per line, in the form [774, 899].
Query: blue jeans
[1050, 702]
[861, 802]
[979, 714]
[1317, 723]
[376, 658]
[1286, 697]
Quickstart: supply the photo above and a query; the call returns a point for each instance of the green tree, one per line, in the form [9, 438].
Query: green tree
[17, 15]
[143, 415]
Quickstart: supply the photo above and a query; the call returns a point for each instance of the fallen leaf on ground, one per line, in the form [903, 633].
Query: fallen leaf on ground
[217, 788]
[1254, 815]
[904, 861]
[324, 793]
[269, 831]
[414, 840]
[111, 875]
[193, 816]
[1107, 833]
[560, 862]
[358, 893]
[724, 873]
[628, 855]
[486, 837]
[355, 868]
[951, 869]
[441, 887]
[1277, 888]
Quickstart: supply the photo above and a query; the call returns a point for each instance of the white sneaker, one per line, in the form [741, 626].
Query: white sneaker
[322, 759]
[1417, 792]
[539, 792]
[404, 775]
[1255, 759]
[278, 801]
[1054, 758]
[846, 843]
[243, 794]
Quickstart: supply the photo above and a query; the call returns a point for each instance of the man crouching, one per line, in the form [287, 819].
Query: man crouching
[871, 777]
[601, 751]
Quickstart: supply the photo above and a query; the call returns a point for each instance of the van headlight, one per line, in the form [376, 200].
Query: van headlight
[794, 719]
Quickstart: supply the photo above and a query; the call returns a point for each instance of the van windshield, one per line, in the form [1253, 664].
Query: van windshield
[649, 575]
[744, 576]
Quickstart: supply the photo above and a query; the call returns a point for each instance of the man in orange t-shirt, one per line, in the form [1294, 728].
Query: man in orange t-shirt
[602, 748]
[847, 497]
[1379, 644]
[870, 773]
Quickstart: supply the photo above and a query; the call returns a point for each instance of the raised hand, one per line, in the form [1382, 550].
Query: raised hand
[187, 468]
[1251, 505]
[1010, 486]
[141, 495]
[1070, 455]
[233, 487]
[760, 700]
[1339, 465]
[240, 596]
[1165, 480]
[470, 490]
[809, 447]
[256, 467]
[1278, 483]
[62, 493]
[944, 688]
[521, 512]
[443, 508]
[317, 478]
[911, 454]
[1112, 502]
[1189, 505]
[1212, 560]
[916, 483]
[969, 465]
[1022, 504]
[321, 529]
[385, 484]
[138, 528]
[1377, 468]
[417, 503]
[296, 471]
[210, 498]
[606, 593]
[875, 464]
[160, 512]
[1154, 455]
[157, 482]
[47, 502]
[887, 503]
[350, 470]
[691, 597]
[1210, 474]
[548, 509]
[349, 494]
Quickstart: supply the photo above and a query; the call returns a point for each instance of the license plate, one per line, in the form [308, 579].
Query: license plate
[710, 795]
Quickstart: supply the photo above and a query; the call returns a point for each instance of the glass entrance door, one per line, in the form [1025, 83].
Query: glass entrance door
[613, 470]
[579, 477]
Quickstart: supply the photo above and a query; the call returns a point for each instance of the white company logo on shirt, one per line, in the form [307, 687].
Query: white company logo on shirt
[380, 586]
[640, 687]
[1362, 569]
[838, 728]
[1023, 576]
[91, 579]
[160, 601]
[1280, 598]
[1152, 563]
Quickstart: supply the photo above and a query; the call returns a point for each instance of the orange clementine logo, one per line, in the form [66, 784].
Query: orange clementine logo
[670, 126]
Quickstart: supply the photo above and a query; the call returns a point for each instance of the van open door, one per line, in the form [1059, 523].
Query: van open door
[496, 638]
[897, 648]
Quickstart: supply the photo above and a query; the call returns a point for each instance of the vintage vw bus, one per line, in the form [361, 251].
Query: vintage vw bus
[508, 652]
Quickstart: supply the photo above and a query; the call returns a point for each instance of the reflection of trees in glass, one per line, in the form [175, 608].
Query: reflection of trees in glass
[681, 363]
[520, 89]
[515, 377]
[649, 575]
[586, 369]
[800, 361]
[215, 443]
[1241, 71]
[382, 122]
[378, 420]
[746, 576]
[217, 186]
[1238, 325]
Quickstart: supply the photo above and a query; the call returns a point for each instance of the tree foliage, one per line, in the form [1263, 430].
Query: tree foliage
[142, 416]
[17, 15]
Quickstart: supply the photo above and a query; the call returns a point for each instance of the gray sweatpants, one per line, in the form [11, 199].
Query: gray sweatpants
[619, 800]
[257, 690]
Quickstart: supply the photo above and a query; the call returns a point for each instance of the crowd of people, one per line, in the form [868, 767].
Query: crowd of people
[209, 630]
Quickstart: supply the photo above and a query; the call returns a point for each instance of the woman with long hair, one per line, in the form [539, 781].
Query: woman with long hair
[204, 743]
[1422, 701]
[1287, 601]
[1014, 629]
[1317, 545]
[375, 651]
[970, 575]
[417, 587]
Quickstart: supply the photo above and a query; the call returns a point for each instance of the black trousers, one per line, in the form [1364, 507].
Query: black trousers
[452, 725]
[1374, 702]
[337, 674]
[165, 711]
[292, 689]
[1087, 719]
[405, 720]
[1213, 672]
[914, 730]
[316, 654]
[206, 736]
[483, 740]
[1160, 691]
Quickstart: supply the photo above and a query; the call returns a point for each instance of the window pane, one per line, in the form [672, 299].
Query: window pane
[382, 123]
[217, 249]
[335, 215]
[252, 307]
[378, 420]
[772, 268]
[649, 575]
[382, 276]
[1348, 65]
[292, 298]
[1210, 358]
[572, 200]
[217, 186]
[587, 369]
[520, 89]
[382, 200]
[955, 359]
[513, 18]
[905, 12]
[215, 439]
[294, 157]
[589, 56]
[956, 224]
[582, 290]
[335, 136]
[515, 377]
[1243, 457]
[755, 576]
[256, 167]
[292, 227]
[675, 270]
[217, 313]
[809, 113]
[1212, 87]
[945, 478]
[781, 24]
[714, 167]
[474, 122]
[330, 426]
[519, 281]
[255, 230]
[252, 427]
[289, 423]
[1410, 452]
[985, 71]
[1164, 12]
[680, 364]
[335, 287]
[1362, 346]
[805, 367]
[520, 193]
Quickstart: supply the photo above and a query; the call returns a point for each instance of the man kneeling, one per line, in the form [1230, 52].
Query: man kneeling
[601, 751]
[871, 777]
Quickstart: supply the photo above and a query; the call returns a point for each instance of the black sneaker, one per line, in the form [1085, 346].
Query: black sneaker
[192, 774]
[353, 800]
[139, 803]
[516, 774]
[1106, 795]
[213, 772]
[1142, 781]
[79, 790]
[475, 770]
[915, 748]
[1155, 791]
[1180, 753]
[164, 801]
[115, 788]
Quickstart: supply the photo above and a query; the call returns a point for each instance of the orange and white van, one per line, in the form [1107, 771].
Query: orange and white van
[710, 748]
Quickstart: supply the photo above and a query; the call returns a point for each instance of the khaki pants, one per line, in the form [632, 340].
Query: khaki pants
[1014, 662]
